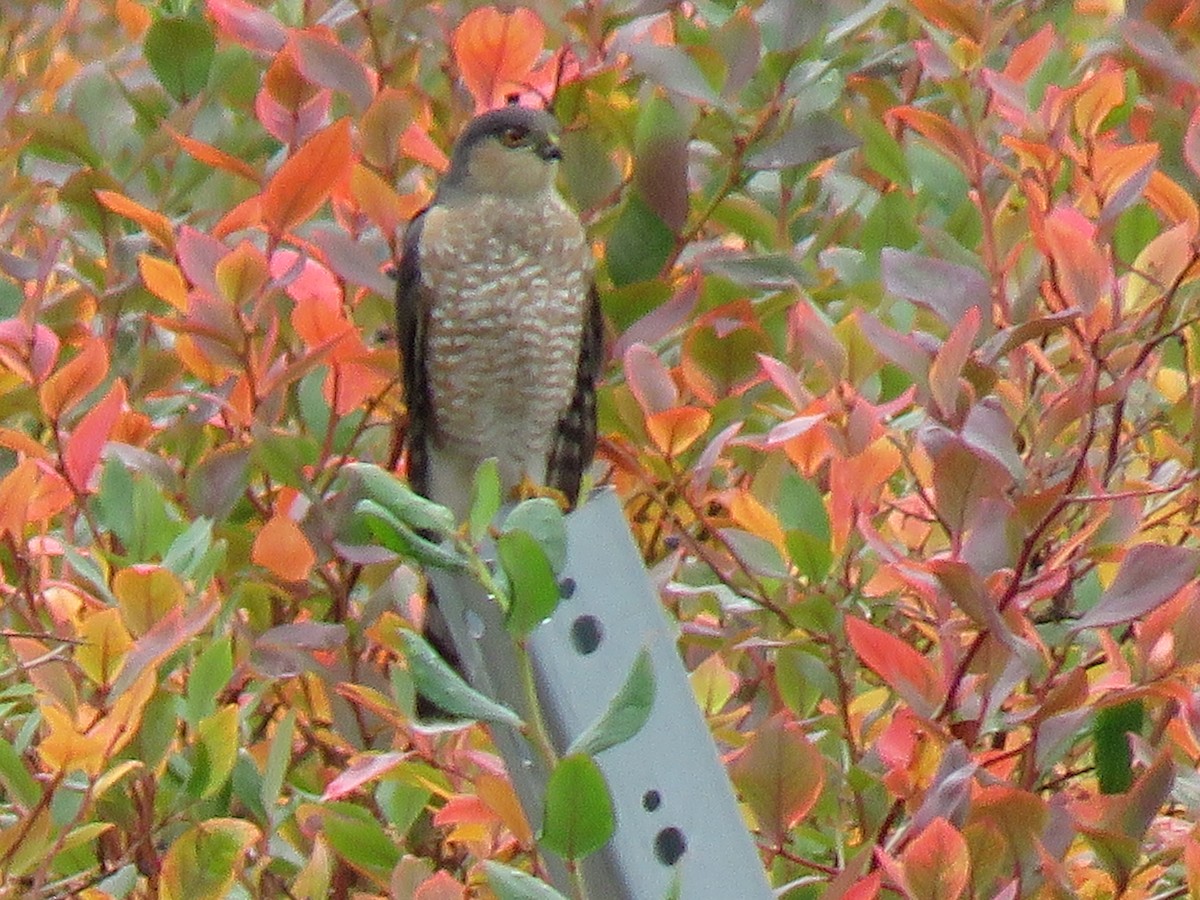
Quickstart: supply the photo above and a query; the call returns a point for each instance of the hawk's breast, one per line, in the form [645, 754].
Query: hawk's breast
[507, 285]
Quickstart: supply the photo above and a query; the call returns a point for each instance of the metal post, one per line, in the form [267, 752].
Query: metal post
[678, 824]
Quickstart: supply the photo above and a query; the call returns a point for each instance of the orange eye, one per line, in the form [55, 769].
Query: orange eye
[513, 137]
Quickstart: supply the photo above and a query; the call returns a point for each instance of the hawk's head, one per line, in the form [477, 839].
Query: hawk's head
[512, 151]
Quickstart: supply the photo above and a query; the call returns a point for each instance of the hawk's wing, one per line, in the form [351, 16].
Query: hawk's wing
[575, 435]
[412, 320]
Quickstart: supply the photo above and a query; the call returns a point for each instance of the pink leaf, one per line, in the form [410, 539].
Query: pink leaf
[247, 24]
[359, 772]
[1149, 576]
[650, 380]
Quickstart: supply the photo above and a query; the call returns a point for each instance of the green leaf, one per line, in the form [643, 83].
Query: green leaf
[359, 838]
[17, 781]
[1114, 757]
[398, 537]
[180, 53]
[639, 244]
[401, 802]
[534, 590]
[485, 499]
[279, 756]
[209, 677]
[579, 812]
[202, 862]
[216, 752]
[437, 681]
[402, 501]
[542, 519]
[513, 884]
[627, 712]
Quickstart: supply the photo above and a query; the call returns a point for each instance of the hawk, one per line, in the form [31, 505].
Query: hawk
[499, 325]
[498, 319]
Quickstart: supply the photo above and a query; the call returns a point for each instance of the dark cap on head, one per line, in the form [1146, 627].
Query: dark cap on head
[497, 121]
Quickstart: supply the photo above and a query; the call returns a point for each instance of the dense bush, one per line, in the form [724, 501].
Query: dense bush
[902, 404]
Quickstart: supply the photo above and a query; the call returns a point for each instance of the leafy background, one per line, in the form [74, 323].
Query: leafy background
[902, 404]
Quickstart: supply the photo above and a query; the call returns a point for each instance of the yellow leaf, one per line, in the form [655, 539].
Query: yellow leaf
[146, 593]
[218, 740]
[65, 748]
[105, 644]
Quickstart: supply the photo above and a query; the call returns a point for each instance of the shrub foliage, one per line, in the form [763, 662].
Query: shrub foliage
[902, 402]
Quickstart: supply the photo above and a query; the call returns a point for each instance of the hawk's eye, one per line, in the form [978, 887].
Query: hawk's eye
[513, 137]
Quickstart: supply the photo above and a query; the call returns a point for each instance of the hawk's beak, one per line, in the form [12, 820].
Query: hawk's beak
[549, 149]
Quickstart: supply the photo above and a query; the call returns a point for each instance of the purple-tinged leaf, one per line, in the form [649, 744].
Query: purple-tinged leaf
[901, 349]
[329, 64]
[650, 380]
[662, 320]
[949, 362]
[989, 430]
[1149, 576]
[947, 289]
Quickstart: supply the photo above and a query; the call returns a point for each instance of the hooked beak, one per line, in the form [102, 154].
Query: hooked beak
[549, 150]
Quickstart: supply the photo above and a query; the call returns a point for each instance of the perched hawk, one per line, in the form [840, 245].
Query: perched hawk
[499, 321]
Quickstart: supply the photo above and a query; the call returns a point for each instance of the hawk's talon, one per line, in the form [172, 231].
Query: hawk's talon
[528, 489]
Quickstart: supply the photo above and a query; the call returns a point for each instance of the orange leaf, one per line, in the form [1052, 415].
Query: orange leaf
[380, 201]
[1099, 97]
[303, 183]
[501, 799]
[440, 887]
[780, 776]
[164, 280]
[495, 51]
[902, 668]
[1172, 200]
[753, 516]
[674, 430]
[156, 224]
[83, 448]
[949, 362]
[16, 488]
[282, 549]
[937, 863]
[75, 380]
[211, 156]
[938, 131]
[1083, 271]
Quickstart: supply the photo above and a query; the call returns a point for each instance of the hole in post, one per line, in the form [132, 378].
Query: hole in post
[669, 845]
[566, 588]
[651, 800]
[586, 634]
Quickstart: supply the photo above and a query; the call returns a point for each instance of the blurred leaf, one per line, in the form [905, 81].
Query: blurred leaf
[180, 52]
[208, 679]
[146, 593]
[216, 750]
[283, 549]
[485, 499]
[542, 519]
[809, 139]
[358, 837]
[639, 245]
[578, 811]
[1113, 755]
[397, 497]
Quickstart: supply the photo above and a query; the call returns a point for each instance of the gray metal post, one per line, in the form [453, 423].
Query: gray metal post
[677, 820]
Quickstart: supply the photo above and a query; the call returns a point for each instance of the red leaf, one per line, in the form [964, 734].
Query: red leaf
[83, 449]
[901, 667]
[780, 775]
[361, 771]
[303, 183]
[1149, 576]
[75, 380]
[256, 28]
[198, 256]
[937, 864]
[496, 51]
[440, 887]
